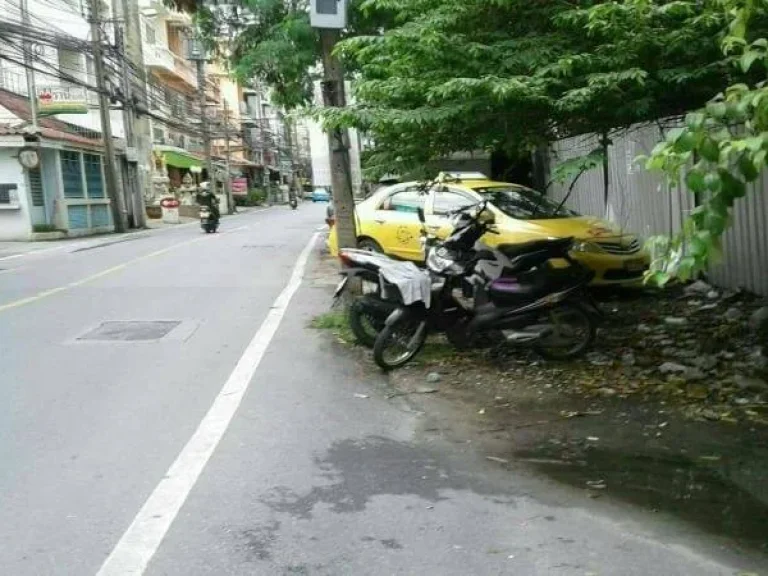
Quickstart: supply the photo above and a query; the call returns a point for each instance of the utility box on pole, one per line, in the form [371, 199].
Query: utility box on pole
[330, 16]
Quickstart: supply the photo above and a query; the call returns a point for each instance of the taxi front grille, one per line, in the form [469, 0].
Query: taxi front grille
[619, 248]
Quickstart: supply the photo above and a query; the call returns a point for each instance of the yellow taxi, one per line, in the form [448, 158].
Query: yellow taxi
[388, 222]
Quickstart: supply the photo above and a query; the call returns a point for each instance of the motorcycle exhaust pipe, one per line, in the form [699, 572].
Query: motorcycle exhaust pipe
[525, 336]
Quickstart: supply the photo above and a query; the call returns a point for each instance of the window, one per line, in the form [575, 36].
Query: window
[409, 200]
[72, 175]
[36, 187]
[447, 201]
[5, 193]
[94, 180]
[327, 7]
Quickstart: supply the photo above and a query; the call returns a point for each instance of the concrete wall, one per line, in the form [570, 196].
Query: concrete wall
[15, 223]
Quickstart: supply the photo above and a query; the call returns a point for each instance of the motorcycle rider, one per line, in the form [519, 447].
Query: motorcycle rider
[207, 198]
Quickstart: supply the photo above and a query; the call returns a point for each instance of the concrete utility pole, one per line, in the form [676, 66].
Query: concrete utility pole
[131, 187]
[118, 211]
[136, 128]
[338, 143]
[198, 55]
[30, 73]
[227, 179]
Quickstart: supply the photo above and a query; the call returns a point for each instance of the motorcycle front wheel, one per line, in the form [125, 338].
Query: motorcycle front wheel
[573, 332]
[366, 320]
[400, 341]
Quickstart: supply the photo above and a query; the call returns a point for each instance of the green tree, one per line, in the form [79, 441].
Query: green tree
[510, 75]
[721, 149]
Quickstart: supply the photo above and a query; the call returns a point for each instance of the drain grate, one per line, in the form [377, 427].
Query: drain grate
[134, 331]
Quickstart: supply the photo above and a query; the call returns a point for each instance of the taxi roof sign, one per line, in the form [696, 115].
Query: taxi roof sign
[462, 176]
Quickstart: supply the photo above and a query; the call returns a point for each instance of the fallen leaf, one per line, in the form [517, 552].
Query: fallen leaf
[363, 396]
[481, 411]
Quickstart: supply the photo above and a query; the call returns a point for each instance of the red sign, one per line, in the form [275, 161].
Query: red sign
[169, 203]
[240, 186]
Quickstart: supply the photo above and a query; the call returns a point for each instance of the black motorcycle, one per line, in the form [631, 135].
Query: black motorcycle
[208, 220]
[511, 293]
[367, 312]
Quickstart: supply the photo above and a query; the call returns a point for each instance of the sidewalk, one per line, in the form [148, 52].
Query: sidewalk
[16, 249]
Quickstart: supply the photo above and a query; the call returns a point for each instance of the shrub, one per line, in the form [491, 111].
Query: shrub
[44, 228]
[255, 197]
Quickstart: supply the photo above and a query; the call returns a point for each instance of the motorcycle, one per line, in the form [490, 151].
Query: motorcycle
[208, 221]
[367, 312]
[293, 202]
[511, 293]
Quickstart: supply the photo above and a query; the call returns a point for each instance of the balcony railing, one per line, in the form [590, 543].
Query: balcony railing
[170, 63]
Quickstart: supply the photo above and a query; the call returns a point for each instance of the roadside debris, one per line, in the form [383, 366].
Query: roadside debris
[499, 460]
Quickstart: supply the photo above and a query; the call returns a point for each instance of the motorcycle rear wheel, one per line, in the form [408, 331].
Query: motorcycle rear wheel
[366, 321]
[567, 319]
[399, 342]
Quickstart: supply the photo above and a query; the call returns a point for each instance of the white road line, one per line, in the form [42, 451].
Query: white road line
[138, 545]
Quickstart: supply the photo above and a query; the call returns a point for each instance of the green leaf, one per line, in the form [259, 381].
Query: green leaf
[685, 142]
[717, 110]
[695, 180]
[747, 59]
[695, 120]
[658, 278]
[709, 149]
[732, 186]
[747, 168]
[712, 182]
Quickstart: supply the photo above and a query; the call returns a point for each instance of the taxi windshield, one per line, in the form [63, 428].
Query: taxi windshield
[523, 203]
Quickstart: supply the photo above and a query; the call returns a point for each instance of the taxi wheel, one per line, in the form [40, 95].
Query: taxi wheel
[370, 245]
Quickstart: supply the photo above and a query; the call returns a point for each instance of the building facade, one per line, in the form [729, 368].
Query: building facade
[65, 195]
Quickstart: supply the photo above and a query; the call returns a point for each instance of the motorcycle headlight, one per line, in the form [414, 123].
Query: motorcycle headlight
[585, 246]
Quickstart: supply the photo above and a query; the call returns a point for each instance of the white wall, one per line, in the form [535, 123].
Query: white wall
[15, 223]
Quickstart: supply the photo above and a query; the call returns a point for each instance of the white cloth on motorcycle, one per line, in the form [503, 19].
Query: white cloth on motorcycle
[413, 284]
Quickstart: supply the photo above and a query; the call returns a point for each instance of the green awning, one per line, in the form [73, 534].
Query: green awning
[179, 160]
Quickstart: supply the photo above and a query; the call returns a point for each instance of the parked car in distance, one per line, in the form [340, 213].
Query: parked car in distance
[320, 195]
[388, 222]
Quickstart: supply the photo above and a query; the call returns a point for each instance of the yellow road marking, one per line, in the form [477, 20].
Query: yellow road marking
[76, 283]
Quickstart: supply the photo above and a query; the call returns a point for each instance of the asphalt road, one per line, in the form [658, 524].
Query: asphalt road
[243, 442]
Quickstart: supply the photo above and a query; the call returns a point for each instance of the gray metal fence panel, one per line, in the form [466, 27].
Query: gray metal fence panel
[641, 202]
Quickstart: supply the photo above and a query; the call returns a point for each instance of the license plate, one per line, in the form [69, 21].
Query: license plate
[635, 265]
[341, 286]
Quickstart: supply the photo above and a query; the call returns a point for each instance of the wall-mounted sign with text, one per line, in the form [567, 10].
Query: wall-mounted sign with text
[61, 100]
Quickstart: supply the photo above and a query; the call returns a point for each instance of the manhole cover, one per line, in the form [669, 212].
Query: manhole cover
[131, 331]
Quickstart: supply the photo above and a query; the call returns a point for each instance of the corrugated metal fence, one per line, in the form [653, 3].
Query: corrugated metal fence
[639, 201]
